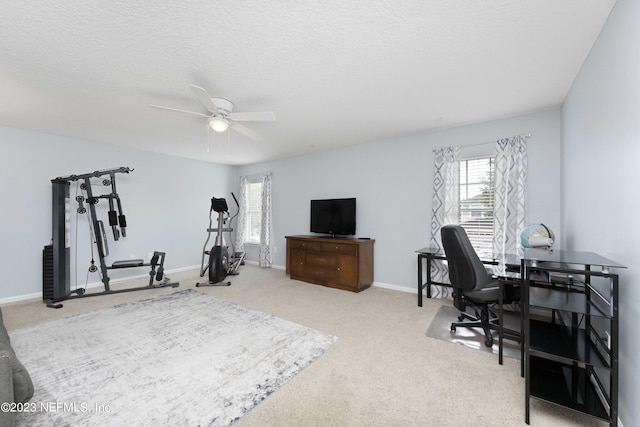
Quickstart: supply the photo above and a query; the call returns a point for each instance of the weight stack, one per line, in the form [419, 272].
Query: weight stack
[47, 273]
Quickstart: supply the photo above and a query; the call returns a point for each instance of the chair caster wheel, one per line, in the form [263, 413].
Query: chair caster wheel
[488, 343]
[453, 328]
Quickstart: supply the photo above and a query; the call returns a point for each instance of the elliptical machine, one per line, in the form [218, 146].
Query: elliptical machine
[220, 264]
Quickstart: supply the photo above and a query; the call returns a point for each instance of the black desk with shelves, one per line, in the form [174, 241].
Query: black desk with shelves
[571, 360]
[570, 353]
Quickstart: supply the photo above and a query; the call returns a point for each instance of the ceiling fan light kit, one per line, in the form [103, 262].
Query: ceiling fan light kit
[218, 124]
[221, 116]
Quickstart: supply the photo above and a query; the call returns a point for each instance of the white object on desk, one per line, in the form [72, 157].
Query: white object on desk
[539, 241]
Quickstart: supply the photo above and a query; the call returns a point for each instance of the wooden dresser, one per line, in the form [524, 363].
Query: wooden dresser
[338, 263]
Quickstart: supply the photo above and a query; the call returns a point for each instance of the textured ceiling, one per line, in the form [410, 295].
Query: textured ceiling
[335, 72]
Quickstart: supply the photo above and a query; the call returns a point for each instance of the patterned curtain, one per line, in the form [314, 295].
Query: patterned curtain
[509, 210]
[265, 230]
[446, 196]
[241, 224]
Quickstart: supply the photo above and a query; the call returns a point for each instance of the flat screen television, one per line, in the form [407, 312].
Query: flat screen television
[334, 216]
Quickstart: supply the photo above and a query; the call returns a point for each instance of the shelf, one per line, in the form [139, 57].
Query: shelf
[563, 300]
[572, 364]
[556, 340]
[565, 385]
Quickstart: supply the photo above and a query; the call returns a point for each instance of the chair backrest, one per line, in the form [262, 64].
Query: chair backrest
[466, 270]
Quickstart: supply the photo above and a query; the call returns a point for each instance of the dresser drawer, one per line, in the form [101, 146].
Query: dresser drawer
[301, 244]
[340, 248]
[320, 259]
[321, 274]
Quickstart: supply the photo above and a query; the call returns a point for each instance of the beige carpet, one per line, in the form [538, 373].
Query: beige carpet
[384, 370]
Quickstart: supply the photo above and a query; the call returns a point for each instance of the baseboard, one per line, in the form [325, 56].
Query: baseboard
[257, 264]
[19, 298]
[38, 295]
[394, 287]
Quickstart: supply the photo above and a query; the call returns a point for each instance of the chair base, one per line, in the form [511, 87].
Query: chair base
[482, 320]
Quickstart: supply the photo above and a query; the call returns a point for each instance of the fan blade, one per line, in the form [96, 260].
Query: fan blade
[246, 131]
[264, 116]
[204, 97]
[178, 110]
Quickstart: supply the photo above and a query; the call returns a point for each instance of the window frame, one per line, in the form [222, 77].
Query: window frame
[248, 211]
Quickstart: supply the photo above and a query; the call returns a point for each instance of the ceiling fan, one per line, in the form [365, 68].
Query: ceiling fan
[221, 116]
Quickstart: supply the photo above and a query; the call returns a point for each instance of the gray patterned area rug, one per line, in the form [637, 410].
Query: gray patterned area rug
[182, 359]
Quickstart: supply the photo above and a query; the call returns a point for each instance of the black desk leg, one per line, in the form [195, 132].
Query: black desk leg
[429, 258]
[527, 340]
[500, 321]
[419, 280]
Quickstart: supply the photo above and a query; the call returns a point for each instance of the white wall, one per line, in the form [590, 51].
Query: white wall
[601, 159]
[392, 181]
[165, 199]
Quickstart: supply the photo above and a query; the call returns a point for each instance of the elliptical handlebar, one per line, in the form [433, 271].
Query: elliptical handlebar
[237, 206]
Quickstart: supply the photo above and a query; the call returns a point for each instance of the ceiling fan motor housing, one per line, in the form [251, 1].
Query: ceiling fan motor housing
[224, 106]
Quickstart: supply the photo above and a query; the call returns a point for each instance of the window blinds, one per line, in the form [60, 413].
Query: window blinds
[477, 177]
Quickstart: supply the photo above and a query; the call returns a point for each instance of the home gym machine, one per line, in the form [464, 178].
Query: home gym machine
[220, 264]
[56, 257]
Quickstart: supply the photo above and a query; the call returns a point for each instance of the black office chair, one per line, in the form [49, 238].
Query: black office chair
[472, 285]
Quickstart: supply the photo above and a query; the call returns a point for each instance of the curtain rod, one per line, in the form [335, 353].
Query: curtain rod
[528, 135]
[253, 175]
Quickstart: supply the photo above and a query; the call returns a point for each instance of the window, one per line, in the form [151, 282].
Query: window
[477, 177]
[254, 212]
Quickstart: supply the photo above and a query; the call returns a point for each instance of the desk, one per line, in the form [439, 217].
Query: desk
[569, 360]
